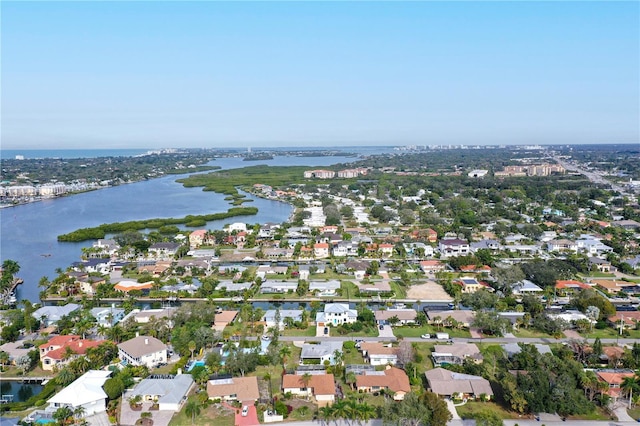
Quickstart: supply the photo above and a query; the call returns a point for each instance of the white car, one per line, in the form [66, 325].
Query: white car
[426, 336]
[245, 411]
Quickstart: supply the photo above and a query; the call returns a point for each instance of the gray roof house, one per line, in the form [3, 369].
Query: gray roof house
[49, 315]
[170, 392]
[319, 353]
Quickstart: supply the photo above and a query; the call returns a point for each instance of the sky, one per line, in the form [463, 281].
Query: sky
[258, 74]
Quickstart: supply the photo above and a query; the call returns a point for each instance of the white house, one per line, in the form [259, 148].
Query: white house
[337, 314]
[526, 287]
[379, 354]
[454, 247]
[270, 317]
[325, 288]
[107, 317]
[143, 350]
[271, 286]
[86, 392]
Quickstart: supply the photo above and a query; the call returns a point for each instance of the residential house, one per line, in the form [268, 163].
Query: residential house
[271, 287]
[462, 317]
[526, 287]
[571, 285]
[626, 224]
[376, 353]
[456, 353]
[84, 393]
[61, 350]
[600, 265]
[392, 378]
[232, 287]
[270, 317]
[337, 314]
[107, 316]
[512, 349]
[317, 384]
[321, 250]
[93, 265]
[223, 319]
[455, 385]
[454, 247]
[625, 319]
[471, 285]
[418, 249]
[168, 391]
[344, 249]
[403, 316]
[431, 266]
[592, 246]
[385, 249]
[164, 250]
[612, 286]
[242, 389]
[143, 350]
[614, 379]
[320, 353]
[197, 238]
[106, 247]
[487, 244]
[324, 288]
[358, 268]
[562, 245]
[49, 315]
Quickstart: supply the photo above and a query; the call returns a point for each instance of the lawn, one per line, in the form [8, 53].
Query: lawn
[424, 350]
[610, 333]
[411, 331]
[400, 291]
[307, 332]
[634, 412]
[353, 356]
[471, 408]
[349, 289]
[213, 415]
[523, 332]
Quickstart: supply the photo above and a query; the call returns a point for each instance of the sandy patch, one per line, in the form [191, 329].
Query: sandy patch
[428, 291]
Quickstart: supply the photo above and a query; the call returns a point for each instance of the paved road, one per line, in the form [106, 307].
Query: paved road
[456, 339]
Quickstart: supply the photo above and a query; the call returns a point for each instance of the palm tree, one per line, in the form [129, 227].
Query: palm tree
[629, 384]
[192, 409]
[306, 379]
[192, 347]
[326, 413]
[284, 352]
[65, 376]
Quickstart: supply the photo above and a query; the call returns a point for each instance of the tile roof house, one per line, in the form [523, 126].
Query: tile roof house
[243, 389]
[614, 379]
[404, 316]
[170, 392]
[392, 378]
[54, 353]
[322, 386]
[446, 383]
[85, 392]
[379, 354]
[432, 266]
[143, 350]
[463, 317]
[629, 319]
[612, 286]
[456, 353]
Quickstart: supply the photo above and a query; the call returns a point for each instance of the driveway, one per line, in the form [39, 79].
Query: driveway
[452, 409]
[386, 331]
[251, 419]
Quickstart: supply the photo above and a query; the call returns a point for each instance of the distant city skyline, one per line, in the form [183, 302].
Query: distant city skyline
[111, 75]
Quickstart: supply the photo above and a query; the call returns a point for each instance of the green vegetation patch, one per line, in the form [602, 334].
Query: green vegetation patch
[136, 225]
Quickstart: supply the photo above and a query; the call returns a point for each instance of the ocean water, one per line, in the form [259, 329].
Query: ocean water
[95, 153]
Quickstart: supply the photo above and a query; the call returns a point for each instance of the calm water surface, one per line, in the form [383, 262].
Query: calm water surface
[29, 232]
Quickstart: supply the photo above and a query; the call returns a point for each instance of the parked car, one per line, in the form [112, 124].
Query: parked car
[426, 336]
[245, 411]
[381, 327]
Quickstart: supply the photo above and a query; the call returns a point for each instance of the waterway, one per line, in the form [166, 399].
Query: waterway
[29, 232]
[20, 391]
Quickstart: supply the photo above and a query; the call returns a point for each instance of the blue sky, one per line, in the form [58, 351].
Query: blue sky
[195, 74]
